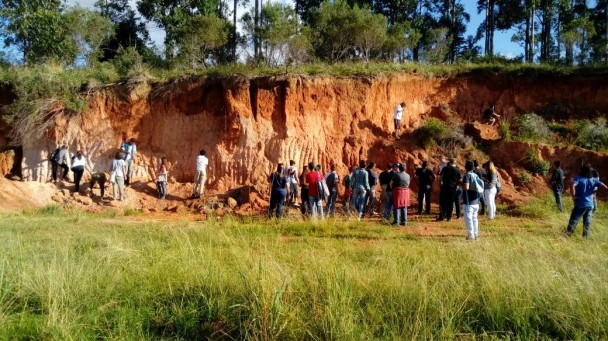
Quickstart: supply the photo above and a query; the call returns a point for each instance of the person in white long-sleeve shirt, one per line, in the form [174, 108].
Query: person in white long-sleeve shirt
[397, 118]
[79, 163]
[200, 175]
[130, 149]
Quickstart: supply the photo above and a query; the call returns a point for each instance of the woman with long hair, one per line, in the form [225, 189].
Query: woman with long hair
[489, 192]
[79, 163]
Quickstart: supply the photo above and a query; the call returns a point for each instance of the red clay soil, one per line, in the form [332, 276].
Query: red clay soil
[248, 125]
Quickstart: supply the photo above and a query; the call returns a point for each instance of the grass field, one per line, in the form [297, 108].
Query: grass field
[73, 275]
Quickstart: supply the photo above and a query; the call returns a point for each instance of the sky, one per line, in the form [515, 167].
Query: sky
[502, 40]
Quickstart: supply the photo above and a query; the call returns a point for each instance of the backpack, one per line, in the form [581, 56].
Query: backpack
[476, 183]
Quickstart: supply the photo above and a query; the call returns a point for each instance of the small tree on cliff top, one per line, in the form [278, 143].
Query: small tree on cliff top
[200, 35]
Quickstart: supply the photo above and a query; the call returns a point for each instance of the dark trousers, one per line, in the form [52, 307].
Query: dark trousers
[575, 217]
[331, 202]
[277, 198]
[304, 207]
[447, 201]
[482, 205]
[558, 199]
[101, 182]
[162, 189]
[78, 172]
[424, 194]
[458, 201]
[54, 166]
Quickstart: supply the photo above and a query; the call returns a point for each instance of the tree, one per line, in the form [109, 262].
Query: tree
[437, 46]
[279, 35]
[400, 38]
[36, 29]
[172, 14]
[200, 35]
[88, 30]
[370, 32]
[128, 30]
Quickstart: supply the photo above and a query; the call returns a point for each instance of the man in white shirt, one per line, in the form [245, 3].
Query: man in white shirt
[398, 116]
[200, 175]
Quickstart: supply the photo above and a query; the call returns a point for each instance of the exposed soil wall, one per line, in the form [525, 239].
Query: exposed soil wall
[247, 125]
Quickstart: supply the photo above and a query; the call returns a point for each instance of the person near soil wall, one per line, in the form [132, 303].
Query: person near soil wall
[583, 187]
[161, 178]
[397, 118]
[347, 189]
[314, 197]
[119, 169]
[304, 207]
[400, 184]
[200, 174]
[490, 180]
[372, 179]
[59, 159]
[291, 173]
[332, 179]
[359, 185]
[278, 191]
[425, 178]
[450, 177]
[471, 202]
[79, 163]
[130, 150]
[481, 173]
[557, 184]
[386, 197]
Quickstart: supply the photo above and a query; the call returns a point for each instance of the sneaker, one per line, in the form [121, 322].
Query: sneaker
[296, 205]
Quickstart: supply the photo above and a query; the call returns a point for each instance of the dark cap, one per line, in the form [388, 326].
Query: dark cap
[396, 164]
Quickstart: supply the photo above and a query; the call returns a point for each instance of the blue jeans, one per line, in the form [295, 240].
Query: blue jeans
[575, 217]
[558, 198]
[400, 216]
[388, 206]
[277, 198]
[316, 207]
[331, 202]
[162, 189]
[357, 198]
[370, 199]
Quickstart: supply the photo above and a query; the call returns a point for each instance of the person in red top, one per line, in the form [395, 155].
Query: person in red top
[314, 199]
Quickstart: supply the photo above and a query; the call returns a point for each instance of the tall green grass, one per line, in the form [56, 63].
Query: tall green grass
[73, 275]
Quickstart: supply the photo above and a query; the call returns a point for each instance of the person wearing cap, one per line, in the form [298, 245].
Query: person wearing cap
[400, 184]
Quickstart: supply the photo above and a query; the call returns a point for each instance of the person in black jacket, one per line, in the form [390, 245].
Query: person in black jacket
[450, 177]
[557, 184]
[425, 179]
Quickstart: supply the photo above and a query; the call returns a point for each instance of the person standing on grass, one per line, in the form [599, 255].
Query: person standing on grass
[60, 159]
[582, 191]
[79, 163]
[490, 180]
[557, 184]
[119, 168]
[278, 191]
[386, 196]
[450, 177]
[400, 184]
[372, 179]
[440, 166]
[347, 189]
[200, 174]
[291, 173]
[161, 178]
[596, 175]
[398, 117]
[471, 202]
[305, 207]
[360, 186]
[481, 173]
[425, 179]
[332, 179]
[314, 197]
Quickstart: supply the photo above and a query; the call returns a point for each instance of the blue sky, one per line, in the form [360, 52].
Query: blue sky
[502, 41]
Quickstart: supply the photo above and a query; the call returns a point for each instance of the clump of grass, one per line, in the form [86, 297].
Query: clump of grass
[532, 128]
[505, 129]
[524, 177]
[537, 164]
[435, 133]
[592, 134]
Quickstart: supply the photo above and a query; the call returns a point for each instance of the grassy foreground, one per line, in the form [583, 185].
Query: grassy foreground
[72, 275]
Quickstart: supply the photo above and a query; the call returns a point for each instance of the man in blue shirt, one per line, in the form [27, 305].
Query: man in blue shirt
[583, 187]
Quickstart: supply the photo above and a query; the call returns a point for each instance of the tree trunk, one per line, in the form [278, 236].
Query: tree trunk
[234, 31]
[487, 35]
[527, 41]
[532, 33]
[256, 29]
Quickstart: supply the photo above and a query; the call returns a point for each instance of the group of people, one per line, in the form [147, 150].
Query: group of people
[477, 187]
